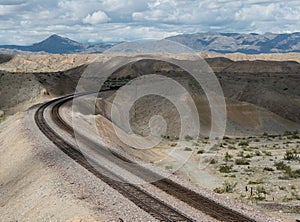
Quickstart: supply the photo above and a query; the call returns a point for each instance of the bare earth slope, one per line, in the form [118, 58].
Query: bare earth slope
[30, 189]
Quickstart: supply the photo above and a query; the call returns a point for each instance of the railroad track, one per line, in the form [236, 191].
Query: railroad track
[132, 192]
[141, 198]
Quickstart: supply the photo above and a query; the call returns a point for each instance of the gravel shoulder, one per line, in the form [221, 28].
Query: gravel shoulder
[31, 190]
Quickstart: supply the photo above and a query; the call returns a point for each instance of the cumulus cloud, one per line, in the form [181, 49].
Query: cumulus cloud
[96, 18]
[29, 21]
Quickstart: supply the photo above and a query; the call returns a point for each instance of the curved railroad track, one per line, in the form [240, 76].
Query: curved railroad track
[141, 198]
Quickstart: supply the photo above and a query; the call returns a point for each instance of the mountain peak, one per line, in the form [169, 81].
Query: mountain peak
[58, 39]
[57, 44]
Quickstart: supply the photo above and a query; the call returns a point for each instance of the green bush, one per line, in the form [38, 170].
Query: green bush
[242, 161]
[200, 151]
[227, 187]
[257, 153]
[289, 173]
[188, 138]
[291, 155]
[227, 157]
[226, 169]
[244, 143]
[268, 169]
[282, 166]
[187, 149]
[213, 161]
[267, 153]
[251, 182]
[295, 174]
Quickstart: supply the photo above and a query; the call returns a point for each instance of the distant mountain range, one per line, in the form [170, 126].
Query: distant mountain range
[209, 42]
[245, 43]
[57, 44]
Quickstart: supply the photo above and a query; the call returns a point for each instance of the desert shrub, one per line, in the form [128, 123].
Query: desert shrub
[257, 153]
[244, 143]
[219, 190]
[188, 138]
[213, 161]
[200, 151]
[267, 153]
[252, 182]
[261, 189]
[227, 157]
[294, 174]
[187, 149]
[232, 147]
[268, 169]
[289, 173]
[241, 154]
[282, 166]
[242, 161]
[225, 168]
[291, 155]
[228, 187]
[249, 155]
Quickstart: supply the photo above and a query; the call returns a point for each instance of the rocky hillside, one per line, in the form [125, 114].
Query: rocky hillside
[19, 91]
[238, 42]
[261, 96]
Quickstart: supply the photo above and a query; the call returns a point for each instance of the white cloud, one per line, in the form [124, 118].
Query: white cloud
[29, 21]
[96, 18]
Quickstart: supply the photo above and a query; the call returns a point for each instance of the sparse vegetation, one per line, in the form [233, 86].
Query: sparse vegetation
[270, 169]
[188, 149]
[188, 138]
[244, 143]
[267, 153]
[291, 155]
[260, 193]
[227, 157]
[268, 158]
[200, 151]
[251, 182]
[289, 173]
[226, 169]
[242, 161]
[282, 166]
[228, 187]
[213, 161]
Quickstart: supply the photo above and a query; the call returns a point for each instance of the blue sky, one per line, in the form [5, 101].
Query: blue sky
[24, 22]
